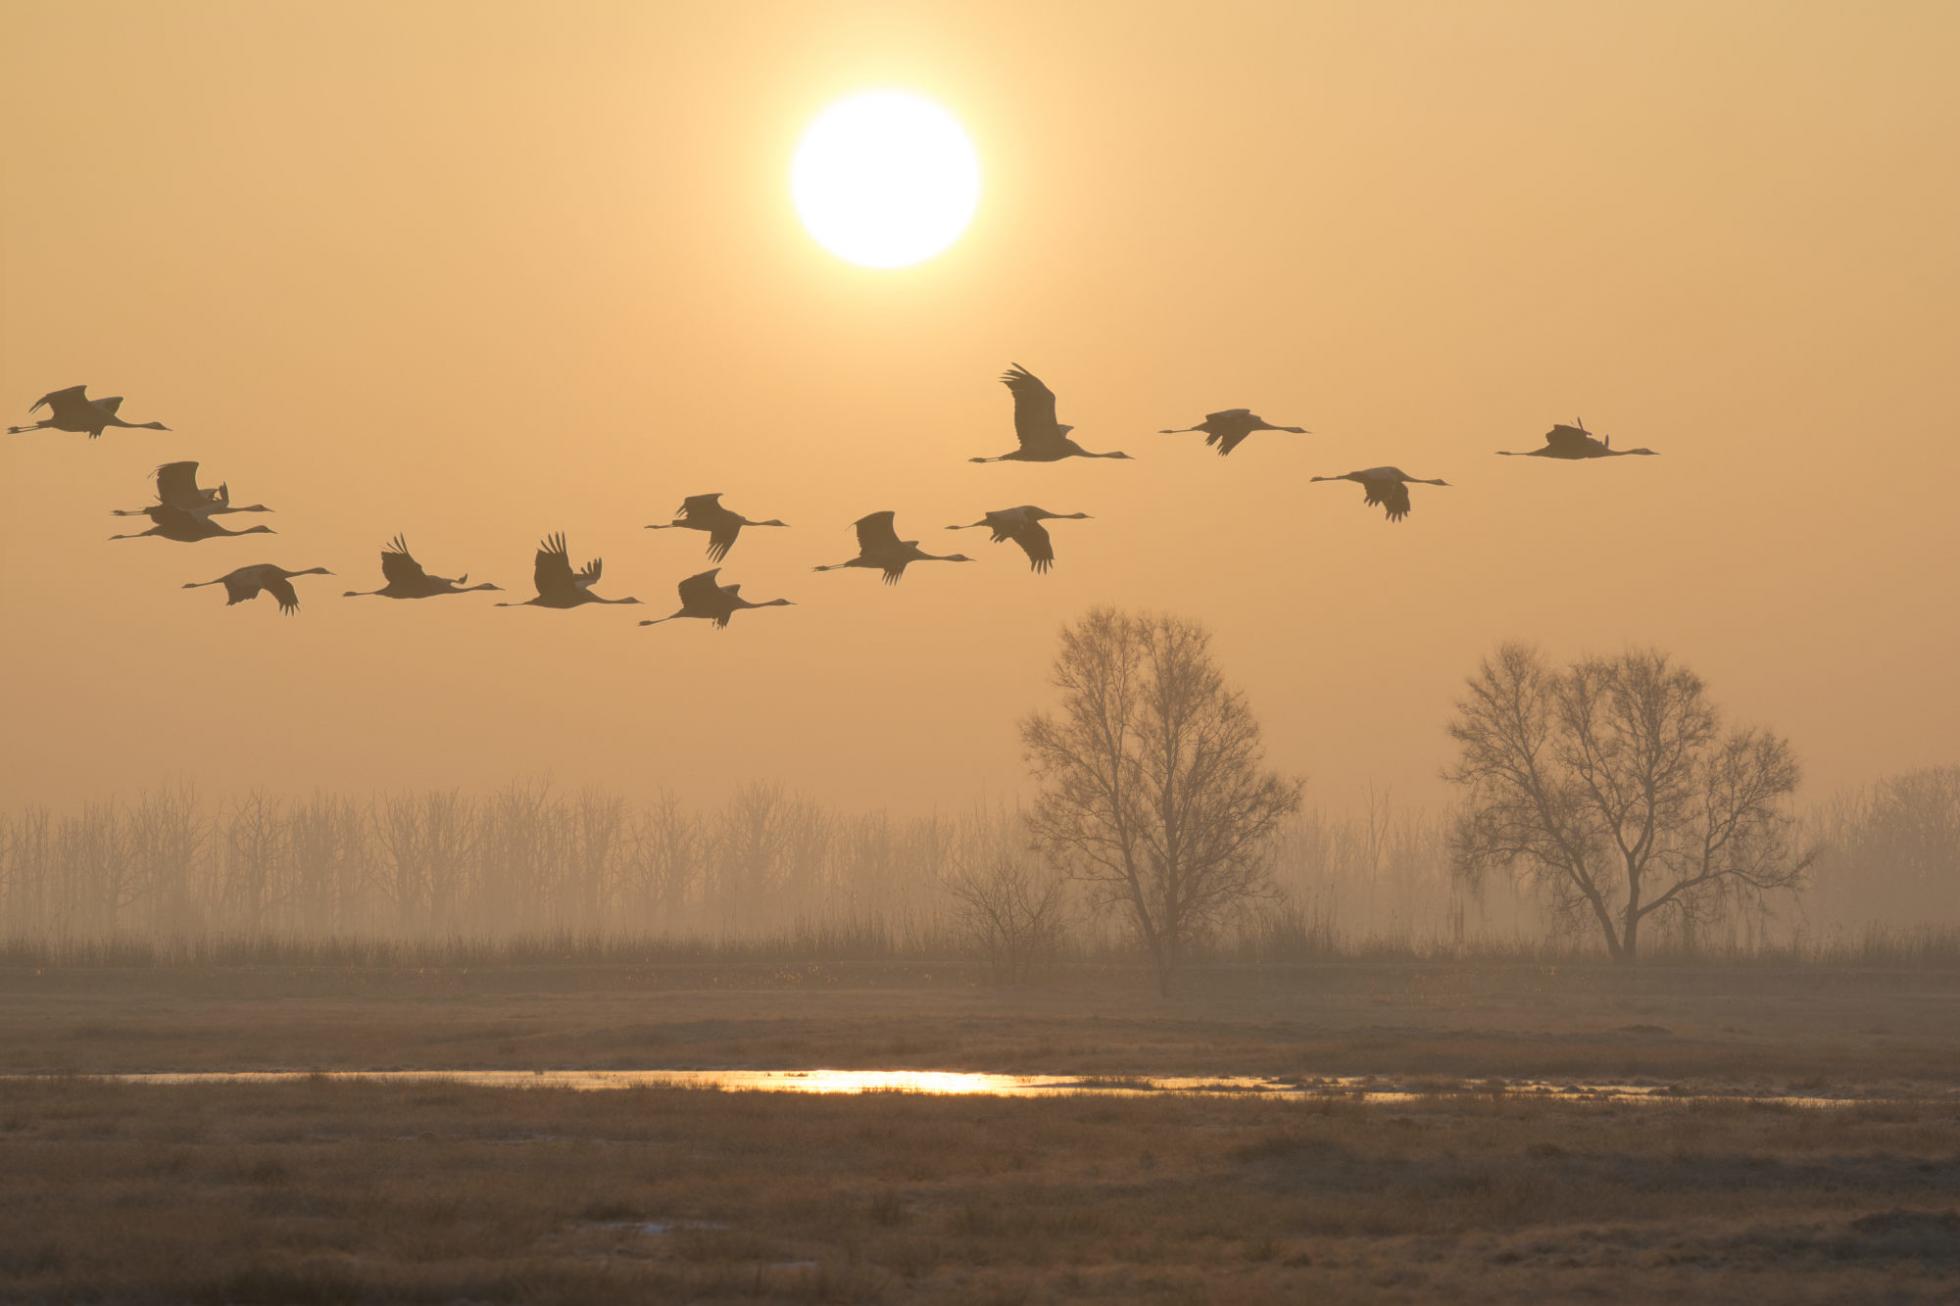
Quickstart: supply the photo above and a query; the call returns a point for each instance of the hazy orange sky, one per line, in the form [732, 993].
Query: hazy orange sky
[476, 272]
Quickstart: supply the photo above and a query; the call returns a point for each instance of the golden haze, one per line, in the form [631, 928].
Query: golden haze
[476, 272]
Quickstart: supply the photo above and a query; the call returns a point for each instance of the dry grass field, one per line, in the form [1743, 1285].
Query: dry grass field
[338, 1191]
[330, 1191]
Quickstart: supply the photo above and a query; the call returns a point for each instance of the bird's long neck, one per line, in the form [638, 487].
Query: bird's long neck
[310, 571]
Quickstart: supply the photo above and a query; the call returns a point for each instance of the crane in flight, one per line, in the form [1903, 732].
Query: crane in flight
[880, 549]
[264, 577]
[1228, 428]
[703, 597]
[72, 410]
[406, 579]
[1043, 438]
[557, 584]
[1387, 486]
[186, 527]
[1023, 526]
[177, 488]
[703, 512]
[1574, 442]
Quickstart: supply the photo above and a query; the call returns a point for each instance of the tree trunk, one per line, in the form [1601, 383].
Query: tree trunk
[1629, 952]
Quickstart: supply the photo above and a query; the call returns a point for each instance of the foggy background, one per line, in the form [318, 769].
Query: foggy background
[480, 272]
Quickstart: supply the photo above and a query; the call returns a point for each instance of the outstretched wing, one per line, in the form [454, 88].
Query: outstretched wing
[1003, 522]
[1393, 496]
[699, 503]
[589, 574]
[282, 589]
[722, 538]
[399, 567]
[244, 583]
[1034, 407]
[1568, 439]
[1033, 538]
[1226, 415]
[700, 593]
[182, 523]
[109, 405]
[552, 570]
[1227, 440]
[876, 533]
[56, 400]
[177, 487]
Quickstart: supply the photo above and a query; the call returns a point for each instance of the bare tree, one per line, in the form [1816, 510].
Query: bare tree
[1009, 906]
[1613, 782]
[663, 863]
[1154, 789]
[1890, 854]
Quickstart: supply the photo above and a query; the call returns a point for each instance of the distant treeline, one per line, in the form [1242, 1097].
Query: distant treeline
[172, 870]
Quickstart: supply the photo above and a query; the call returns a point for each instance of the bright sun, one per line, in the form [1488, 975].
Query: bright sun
[885, 179]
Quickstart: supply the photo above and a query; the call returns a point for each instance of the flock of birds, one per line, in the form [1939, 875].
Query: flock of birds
[184, 511]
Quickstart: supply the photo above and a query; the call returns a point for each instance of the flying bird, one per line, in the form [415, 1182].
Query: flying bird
[1228, 428]
[1023, 526]
[1043, 439]
[557, 584]
[73, 410]
[186, 527]
[177, 488]
[407, 580]
[1573, 442]
[703, 512]
[880, 549]
[1387, 486]
[702, 597]
[263, 577]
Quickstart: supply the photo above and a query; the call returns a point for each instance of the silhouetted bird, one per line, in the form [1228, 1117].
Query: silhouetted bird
[1229, 427]
[703, 512]
[558, 585]
[1387, 486]
[702, 597]
[1564, 441]
[1043, 439]
[73, 410]
[177, 488]
[1023, 526]
[248, 582]
[880, 549]
[186, 527]
[407, 580]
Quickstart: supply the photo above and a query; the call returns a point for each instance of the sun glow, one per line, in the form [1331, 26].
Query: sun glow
[885, 179]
